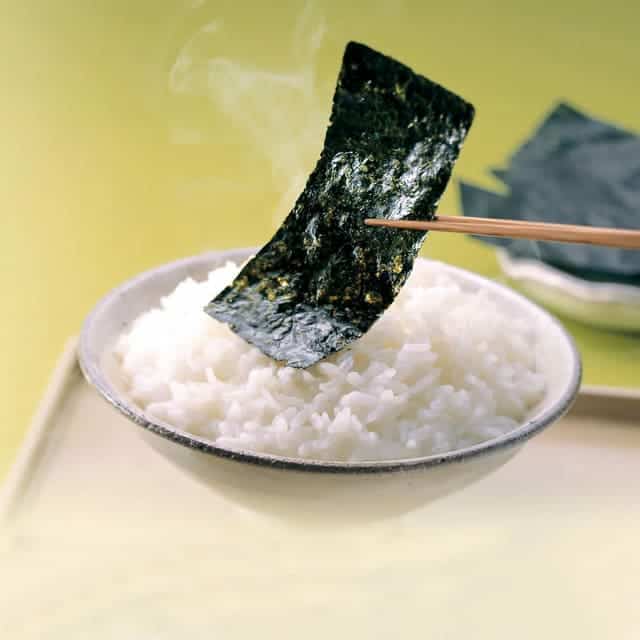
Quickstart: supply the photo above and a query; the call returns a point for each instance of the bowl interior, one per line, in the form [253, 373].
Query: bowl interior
[557, 360]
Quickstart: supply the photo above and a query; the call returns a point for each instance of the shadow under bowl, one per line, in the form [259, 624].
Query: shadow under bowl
[313, 490]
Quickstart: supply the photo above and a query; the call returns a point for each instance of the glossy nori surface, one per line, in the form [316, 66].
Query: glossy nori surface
[325, 277]
[574, 170]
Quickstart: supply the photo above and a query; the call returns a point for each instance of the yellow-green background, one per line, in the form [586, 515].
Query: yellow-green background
[104, 171]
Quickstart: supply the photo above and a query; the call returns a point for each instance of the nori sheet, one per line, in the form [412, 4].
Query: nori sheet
[574, 170]
[325, 277]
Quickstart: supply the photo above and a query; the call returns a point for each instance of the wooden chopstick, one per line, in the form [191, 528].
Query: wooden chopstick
[603, 236]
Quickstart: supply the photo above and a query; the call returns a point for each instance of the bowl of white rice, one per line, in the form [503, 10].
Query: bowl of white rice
[447, 386]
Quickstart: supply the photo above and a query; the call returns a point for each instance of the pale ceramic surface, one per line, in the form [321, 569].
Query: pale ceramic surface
[357, 490]
[599, 304]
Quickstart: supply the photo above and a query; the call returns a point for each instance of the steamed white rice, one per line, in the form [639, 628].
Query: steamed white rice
[443, 368]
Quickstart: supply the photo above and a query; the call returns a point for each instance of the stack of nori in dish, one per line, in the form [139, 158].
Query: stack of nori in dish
[573, 170]
[325, 277]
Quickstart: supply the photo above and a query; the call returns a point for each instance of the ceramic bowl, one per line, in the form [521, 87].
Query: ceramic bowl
[306, 489]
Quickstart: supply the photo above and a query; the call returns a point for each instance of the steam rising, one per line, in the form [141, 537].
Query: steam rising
[277, 108]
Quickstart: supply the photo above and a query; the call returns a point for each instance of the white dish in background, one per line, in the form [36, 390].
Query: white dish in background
[605, 305]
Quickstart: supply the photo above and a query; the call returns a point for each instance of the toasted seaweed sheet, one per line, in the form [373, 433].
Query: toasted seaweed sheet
[325, 277]
[574, 170]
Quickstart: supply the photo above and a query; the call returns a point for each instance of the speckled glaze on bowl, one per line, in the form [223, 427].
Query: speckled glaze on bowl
[313, 489]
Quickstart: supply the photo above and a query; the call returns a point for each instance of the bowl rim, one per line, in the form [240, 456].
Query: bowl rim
[89, 363]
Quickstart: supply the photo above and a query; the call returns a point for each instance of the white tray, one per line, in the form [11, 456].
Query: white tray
[103, 538]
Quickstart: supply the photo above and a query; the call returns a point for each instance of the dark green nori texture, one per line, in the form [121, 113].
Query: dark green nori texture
[325, 277]
[573, 170]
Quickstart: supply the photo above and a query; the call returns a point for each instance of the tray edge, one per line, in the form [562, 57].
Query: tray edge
[17, 477]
